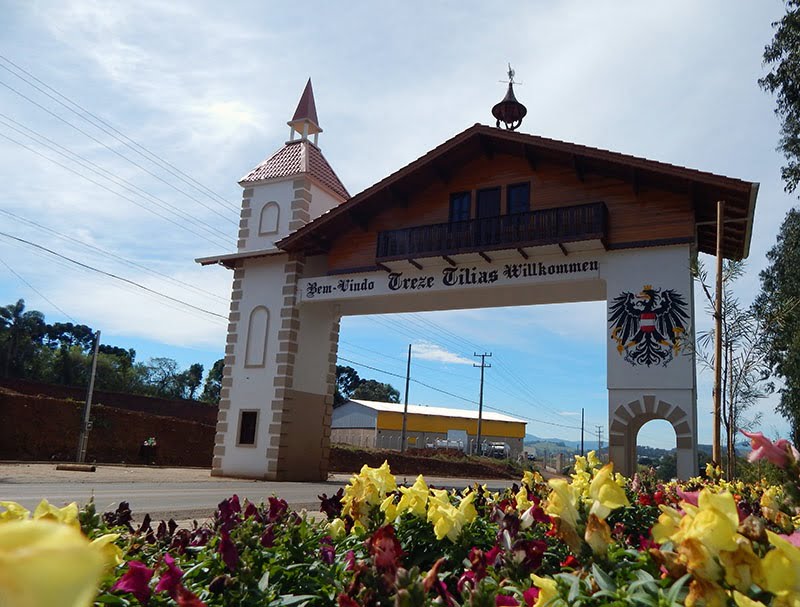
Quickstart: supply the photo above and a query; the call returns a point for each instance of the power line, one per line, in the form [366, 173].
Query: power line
[100, 185]
[113, 255]
[110, 275]
[538, 421]
[161, 162]
[109, 148]
[37, 291]
[95, 168]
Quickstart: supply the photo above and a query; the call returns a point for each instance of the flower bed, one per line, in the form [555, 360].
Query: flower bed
[593, 539]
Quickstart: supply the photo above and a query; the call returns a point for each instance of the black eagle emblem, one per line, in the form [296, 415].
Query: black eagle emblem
[650, 327]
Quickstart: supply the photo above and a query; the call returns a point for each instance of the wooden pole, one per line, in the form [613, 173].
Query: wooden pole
[716, 448]
[405, 405]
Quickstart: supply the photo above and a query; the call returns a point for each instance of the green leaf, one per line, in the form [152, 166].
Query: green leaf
[603, 579]
[110, 599]
[264, 581]
[672, 595]
[293, 599]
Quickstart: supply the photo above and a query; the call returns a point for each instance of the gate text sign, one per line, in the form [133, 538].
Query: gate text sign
[447, 278]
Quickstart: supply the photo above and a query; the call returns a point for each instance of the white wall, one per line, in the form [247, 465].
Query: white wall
[280, 192]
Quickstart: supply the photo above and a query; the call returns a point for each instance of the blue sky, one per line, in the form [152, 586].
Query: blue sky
[210, 90]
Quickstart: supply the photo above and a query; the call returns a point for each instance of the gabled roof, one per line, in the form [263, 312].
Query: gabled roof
[441, 411]
[704, 188]
[299, 157]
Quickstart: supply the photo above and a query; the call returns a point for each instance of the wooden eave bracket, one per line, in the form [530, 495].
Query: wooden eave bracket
[563, 249]
[415, 263]
[523, 252]
[450, 261]
[386, 269]
[485, 257]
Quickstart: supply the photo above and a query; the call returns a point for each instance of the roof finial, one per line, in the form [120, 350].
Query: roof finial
[305, 121]
[509, 110]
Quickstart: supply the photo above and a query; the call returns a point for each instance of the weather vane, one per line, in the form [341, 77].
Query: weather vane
[510, 111]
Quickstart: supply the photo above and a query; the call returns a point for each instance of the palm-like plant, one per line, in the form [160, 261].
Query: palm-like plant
[20, 332]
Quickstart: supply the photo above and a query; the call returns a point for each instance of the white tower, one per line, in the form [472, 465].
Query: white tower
[262, 394]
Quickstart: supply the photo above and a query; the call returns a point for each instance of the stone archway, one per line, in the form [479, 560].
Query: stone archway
[627, 419]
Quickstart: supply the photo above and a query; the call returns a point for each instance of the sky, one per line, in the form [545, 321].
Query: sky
[208, 90]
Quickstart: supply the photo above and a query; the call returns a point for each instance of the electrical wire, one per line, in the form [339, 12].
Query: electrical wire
[122, 137]
[110, 275]
[128, 262]
[37, 291]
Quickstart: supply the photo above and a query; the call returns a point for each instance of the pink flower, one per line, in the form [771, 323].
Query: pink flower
[763, 448]
[793, 539]
[187, 598]
[136, 581]
[503, 600]
[171, 579]
[531, 595]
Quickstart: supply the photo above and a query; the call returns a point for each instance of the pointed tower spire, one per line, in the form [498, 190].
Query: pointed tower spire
[305, 121]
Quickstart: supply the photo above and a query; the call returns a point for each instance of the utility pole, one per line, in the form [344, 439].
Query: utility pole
[716, 449]
[599, 442]
[405, 405]
[87, 409]
[582, 451]
[483, 366]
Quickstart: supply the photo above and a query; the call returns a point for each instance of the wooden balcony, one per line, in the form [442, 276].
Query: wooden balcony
[535, 228]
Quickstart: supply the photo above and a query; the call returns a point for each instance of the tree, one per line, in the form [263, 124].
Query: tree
[775, 305]
[783, 80]
[21, 333]
[192, 378]
[369, 389]
[347, 380]
[745, 369]
[213, 385]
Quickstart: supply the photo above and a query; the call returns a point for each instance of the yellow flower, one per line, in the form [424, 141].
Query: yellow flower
[606, 493]
[447, 519]
[562, 501]
[548, 592]
[336, 528]
[68, 515]
[110, 551]
[598, 535]
[745, 601]
[742, 566]
[368, 488]
[782, 571]
[414, 499]
[716, 522]
[523, 503]
[531, 479]
[668, 524]
[14, 512]
[593, 460]
[389, 508]
[44, 564]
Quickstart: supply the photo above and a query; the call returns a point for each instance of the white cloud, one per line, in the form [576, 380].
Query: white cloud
[435, 352]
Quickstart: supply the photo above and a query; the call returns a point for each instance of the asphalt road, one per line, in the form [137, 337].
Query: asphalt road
[163, 493]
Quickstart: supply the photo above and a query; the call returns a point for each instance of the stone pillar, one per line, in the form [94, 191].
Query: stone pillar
[650, 378]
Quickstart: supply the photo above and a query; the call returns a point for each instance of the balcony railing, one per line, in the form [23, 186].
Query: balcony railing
[535, 228]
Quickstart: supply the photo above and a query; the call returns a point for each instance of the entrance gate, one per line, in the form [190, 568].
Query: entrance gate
[573, 224]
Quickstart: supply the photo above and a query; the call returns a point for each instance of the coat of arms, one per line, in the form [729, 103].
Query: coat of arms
[649, 327]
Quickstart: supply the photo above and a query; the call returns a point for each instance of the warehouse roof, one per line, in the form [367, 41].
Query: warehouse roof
[441, 411]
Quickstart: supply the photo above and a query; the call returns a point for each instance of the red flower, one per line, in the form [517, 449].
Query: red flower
[385, 550]
[531, 595]
[136, 581]
[571, 561]
[187, 599]
[658, 497]
[228, 551]
[644, 499]
[345, 601]
[268, 537]
[171, 579]
[501, 600]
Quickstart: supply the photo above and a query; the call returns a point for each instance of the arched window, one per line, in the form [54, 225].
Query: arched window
[256, 344]
[268, 222]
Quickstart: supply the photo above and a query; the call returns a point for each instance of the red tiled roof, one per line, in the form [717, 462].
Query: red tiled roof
[298, 158]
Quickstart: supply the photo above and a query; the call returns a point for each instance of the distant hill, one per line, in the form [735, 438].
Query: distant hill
[560, 445]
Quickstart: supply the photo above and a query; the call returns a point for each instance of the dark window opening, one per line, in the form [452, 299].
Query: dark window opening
[460, 206]
[248, 420]
[488, 203]
[519, 198]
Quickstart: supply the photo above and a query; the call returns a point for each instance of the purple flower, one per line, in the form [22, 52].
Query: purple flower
[331, 506]
[228, 551]
[277, 508]
[505, 600]
[268, 537]
[171, 579]
[136, 581]
[327, 551]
